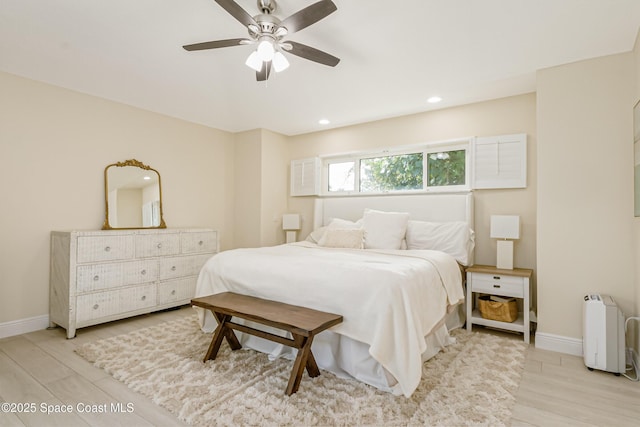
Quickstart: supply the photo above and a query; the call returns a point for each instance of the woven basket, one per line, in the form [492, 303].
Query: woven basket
[494, 310]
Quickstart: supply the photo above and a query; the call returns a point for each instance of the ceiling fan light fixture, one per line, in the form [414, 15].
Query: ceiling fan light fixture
[254, 61]
[266, 50]
[280, 63]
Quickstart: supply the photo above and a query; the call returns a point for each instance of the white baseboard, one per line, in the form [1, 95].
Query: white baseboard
[559, 344]
[24, 326]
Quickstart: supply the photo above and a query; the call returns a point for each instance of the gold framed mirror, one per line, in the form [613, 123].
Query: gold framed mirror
[133, 196]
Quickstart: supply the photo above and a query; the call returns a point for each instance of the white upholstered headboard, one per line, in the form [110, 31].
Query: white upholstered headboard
[421, 207]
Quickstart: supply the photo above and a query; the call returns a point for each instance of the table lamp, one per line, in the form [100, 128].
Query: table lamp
[505, 227]
[291, 224]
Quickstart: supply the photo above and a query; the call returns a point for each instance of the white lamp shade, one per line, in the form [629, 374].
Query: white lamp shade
[254, 61]
[505, 226]
[280, 63]
[291, 222]
[265, 50]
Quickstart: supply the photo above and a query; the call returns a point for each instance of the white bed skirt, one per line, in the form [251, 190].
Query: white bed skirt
[343, 356]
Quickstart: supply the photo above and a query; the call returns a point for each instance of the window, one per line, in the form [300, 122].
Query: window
[456, 165]
[391, 173]
[447, 168]
[434, 167]
[341, 176]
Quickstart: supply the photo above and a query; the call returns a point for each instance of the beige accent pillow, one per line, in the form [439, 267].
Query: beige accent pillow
[351, 238]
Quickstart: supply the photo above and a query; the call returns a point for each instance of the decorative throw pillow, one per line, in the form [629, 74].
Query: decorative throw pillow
[384, 230]
[336, 223]
[342, 238]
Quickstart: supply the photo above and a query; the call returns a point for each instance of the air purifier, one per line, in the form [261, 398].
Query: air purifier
[603, 334]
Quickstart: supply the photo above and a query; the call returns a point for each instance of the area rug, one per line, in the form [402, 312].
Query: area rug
[472, 382]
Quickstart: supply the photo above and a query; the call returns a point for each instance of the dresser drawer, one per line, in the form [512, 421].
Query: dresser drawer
[175, 267]
[177, 290]
[94, 277]
[104, 248]
[138, 297]
[103, 304]
[153, 245]
[498, 284]
[198, 242]
[143, 271]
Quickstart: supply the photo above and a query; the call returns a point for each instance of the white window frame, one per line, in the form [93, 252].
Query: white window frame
[424, 148]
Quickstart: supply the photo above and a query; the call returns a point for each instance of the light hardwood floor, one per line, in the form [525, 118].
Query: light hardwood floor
[41, 368]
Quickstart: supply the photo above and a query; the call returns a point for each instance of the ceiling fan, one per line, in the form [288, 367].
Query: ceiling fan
[268, 32]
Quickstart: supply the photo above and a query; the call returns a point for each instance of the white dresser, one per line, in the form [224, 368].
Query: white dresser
[100, 276]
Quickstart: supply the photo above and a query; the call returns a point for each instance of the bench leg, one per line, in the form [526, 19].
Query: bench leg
[304, 359]
[222, 331]
[218, 335]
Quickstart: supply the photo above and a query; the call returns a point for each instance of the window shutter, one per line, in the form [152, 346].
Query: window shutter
[305, 177]
[500, 162]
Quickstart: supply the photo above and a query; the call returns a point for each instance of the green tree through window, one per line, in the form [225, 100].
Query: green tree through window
[392, 173]
[446, 168]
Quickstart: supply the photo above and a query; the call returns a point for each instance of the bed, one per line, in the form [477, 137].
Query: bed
[389, 264]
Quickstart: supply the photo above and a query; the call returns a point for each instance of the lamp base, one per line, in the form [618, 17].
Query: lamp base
[291, 236]
[505, 255]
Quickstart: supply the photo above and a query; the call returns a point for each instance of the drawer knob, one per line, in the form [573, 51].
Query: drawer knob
[96, 278]
[143, 272]
[159, 245]
[173, 292]
[107, 249]
[496, 277]
[496, 286]
[201, 243]
[144, 297]
[95, 306]
[173, 268]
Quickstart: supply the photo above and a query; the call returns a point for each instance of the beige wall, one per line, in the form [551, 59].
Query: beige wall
[274, 187]
[247, 189]
[260, 188]
[503, 116]
[635, 326]
[585, 189]
[54, 146]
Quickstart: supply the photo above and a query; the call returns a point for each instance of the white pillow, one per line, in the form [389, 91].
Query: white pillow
[454, 238]
[384, 230]
[342, 238]
[316, 235]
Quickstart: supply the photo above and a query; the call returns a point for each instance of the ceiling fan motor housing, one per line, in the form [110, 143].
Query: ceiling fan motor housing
[267, 6]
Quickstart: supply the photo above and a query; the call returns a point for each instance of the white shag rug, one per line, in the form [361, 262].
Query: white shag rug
[472, 382]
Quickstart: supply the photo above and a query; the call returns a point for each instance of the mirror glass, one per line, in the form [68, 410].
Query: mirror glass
[133, 196]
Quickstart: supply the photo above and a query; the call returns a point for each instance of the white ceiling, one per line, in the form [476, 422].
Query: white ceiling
[394, 55]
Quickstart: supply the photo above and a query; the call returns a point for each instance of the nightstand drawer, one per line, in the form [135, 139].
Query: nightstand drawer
[498, 284]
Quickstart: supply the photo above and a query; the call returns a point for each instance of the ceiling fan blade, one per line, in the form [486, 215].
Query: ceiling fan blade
[310, 53]
[237, 12]
[309, 15]
[264, 72]
[216, 44]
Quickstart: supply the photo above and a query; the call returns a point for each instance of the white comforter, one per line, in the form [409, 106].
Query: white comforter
[389, 300]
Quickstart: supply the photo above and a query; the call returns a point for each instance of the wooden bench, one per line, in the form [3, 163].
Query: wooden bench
[303, 324]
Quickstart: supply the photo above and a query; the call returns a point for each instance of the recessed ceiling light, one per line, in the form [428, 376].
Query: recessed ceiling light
[146, 178]
[324, 121]
[434, 99]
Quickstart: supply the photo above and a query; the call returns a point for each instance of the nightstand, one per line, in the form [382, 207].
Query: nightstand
[485, 279]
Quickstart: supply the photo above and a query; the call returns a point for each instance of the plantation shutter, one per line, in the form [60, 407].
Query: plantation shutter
[500, 162]
[305, 177]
